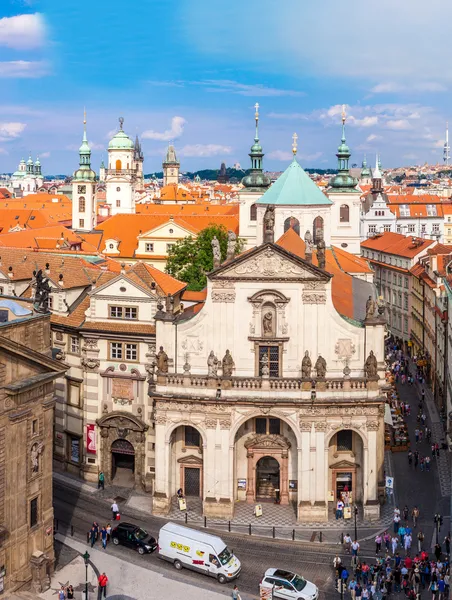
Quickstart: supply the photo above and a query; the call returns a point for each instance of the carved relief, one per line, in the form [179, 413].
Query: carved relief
[90, 344]
[314, 298]
[344, 348]
[160, 419]
[60, 355]
[269, 264]
[223, 296]
[320, 425]
[192, 344]
[373, 425]
[225, 423]
[36, 451]
[221, 284]
[211, 423]
[305, 425]
[90, 364]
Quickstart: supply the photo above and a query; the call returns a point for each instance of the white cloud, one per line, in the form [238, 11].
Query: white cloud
[391, 87]
[364, 122]
[310, 157]
[23, 69]
[10, 131]
[95, 146]
[44, 155]
[3, 151]
[373, 137]
[177, 129]
[203, 150]
[243, 89]
[178, 84]
[282, 155]
[398, 124]
[23, 32]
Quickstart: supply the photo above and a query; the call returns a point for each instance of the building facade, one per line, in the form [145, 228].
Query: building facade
[28, 178]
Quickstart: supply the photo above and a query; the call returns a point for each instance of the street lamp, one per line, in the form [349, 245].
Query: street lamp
[356, 526]
[86, 559]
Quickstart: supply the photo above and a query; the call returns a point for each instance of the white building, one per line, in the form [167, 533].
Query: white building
[28, 178]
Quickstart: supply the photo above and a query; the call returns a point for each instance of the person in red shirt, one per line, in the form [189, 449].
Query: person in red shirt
[408, 563]
[103, 580]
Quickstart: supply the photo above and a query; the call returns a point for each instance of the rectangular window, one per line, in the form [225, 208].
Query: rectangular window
[130, 312]
[404, 210]
[75, 344]
[405, 302]
[74, 449]
[423, 228]
[33, 512]
[394, 278]
[431, 210]
[405, 324]
[411, 228]
[272, 353]
[261, 425]
[399, 229]
[400, 280]
[73, 391]
[81, 223]
[131, 351]
[268, 426]
[34, 426]
[406, 282]
[372, 229]
[345, 440]
[116, 350]
[116, 312]
[149, 247]
[274, 426]
[51, 302]
[435, 228]
[386, 227]
[81, 205]
[192, 437]
[118, 203]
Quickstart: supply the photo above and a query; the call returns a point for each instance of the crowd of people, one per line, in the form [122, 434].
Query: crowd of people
[96, 532]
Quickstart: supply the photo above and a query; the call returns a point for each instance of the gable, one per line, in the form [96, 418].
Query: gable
[270, 262]
[163, 231]
[121, 287]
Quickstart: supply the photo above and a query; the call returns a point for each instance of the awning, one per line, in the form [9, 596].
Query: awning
[388, 415]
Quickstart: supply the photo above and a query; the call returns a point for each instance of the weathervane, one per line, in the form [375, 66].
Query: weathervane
[121, 122]
[256, 106]
[294, 144]
[344, 115]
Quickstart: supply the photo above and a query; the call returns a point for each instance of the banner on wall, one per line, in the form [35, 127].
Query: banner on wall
[91, 439]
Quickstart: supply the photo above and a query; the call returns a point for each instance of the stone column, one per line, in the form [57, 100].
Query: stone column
[162, 497]
[251, 477]
[40, 580]
[284, 478]
[304, 472]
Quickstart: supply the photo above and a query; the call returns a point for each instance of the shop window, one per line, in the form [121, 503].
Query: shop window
[345, 440]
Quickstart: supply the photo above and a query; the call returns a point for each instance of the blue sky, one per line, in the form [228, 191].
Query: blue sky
[190, 71]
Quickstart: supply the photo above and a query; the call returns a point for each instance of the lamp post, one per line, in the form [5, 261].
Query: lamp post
[356, 526]
[86, 559]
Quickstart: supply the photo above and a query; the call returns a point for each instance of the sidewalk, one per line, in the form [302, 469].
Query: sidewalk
[126, 580]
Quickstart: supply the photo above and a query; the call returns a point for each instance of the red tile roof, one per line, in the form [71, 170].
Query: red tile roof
[397, 244]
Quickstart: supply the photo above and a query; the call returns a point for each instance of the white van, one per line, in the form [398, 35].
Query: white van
[199, 551]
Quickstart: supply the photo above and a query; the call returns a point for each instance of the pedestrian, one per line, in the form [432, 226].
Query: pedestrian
[103, 536]
[235, 593]
[108, 528]
[406, 512]
[437, 449]
[61, 593]
[422, 463]
[407, 542]
[427, 463]
[96, 528]
[396, 523]
[378, 540]
[410, 458]
[102, 580]
[355, 548]
[423, 419]
[437, 551]
[70, 593]
[351, 587]
[422, 395]
[447, 544]
[402, 532]
[433, 587]
[347, 543]
[394, 544]
[339, 509]
[114, 510]
[420, 540]
[387, 540]
[416, 434]
[101, 481]
[415, 515]
[92, 536]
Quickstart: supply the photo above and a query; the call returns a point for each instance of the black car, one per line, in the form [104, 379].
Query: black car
[134, 537]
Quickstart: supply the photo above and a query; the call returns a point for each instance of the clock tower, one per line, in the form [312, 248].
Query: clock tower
[84, 210]
[171, 167]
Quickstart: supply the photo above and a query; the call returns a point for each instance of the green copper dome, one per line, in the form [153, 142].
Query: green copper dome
[120, 141]
[30, 160]
[256, 180]
[365, 171]
[37, 163]
[343, 181]
[84, 172]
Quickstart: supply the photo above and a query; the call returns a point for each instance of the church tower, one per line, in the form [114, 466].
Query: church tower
[121, 173]
[84, 210]
[255, 184]
[345, 211]
[171, 167]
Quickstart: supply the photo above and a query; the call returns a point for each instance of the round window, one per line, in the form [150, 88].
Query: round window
[171, 230]
[123, 289]
[118, 189]
[111, 246]
[344, 245]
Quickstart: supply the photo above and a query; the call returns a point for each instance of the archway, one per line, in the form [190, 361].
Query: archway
[292, 223]
[317, 228]
[118, 165]
[123, 463]
[346, 467]
[267, 478]
[186, 461]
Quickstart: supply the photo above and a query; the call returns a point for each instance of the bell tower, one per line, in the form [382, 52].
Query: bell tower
[171, 167]
[84, 210]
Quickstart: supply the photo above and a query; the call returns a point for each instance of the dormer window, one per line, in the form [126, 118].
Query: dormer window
[129, 313]
[431, 210]
[404, 210]
[149, 247]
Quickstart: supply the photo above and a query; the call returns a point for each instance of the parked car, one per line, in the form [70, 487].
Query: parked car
[288, 585]
[133, 536]
[199, 551]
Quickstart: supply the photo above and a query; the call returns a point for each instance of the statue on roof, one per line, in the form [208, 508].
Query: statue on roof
[212, 365]
[232, 240]
[269, 224]
[43, 289]
[371, 365]
[216, 250]
[309, 243]
[162, 361]
[321, 253]
[370, 308]
[228, 364]
[306, 366]
[320, 367]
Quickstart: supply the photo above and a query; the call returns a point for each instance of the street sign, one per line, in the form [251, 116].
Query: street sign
[390, 482]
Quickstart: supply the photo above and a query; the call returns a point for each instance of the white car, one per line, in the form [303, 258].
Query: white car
[288, 585]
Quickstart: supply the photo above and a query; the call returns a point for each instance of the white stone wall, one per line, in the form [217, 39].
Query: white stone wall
[304, 214]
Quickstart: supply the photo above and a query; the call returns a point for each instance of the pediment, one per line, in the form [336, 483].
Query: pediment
[115, 287]
[344, 464]
[190, 460]
[269, 262]
[122, 420]
[268, 441]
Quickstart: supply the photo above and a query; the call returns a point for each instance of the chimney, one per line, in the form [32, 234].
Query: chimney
[47, 268]
[123, 268]
[10, 272]
[60, 280]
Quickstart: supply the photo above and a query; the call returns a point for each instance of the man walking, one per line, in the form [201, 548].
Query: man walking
[101, 481]
[114, 510]
[235, 593]
[420, 540]
[103, 580]
[103, 535]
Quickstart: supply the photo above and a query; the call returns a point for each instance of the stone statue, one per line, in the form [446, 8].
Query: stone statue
[232, 240]
[36, 450]
[212, 365]
[269, 224]
[227, 364]
[309, 243]
[306, 366]
[216, 252]
[265, 369]
[162, 361]
[320, 367]
[370, 308]
[321, 253]
[43, 289]
[371, 365]
[267, 323]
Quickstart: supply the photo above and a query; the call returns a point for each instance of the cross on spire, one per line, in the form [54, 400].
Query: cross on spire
[121, 122]
[344, 114]
[294, 144]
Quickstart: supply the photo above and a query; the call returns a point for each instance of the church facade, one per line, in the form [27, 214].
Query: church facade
[271, 392]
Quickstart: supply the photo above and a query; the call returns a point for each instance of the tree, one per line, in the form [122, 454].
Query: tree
[191, 258]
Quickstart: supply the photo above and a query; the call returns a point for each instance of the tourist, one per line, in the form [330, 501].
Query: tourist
[339, 509]
[102, 580]
[104, 536]
[101, 481]
[347, 543]
[114, 510]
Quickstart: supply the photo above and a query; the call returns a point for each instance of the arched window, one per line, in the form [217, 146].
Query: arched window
[253, 212]
[118, 165]
[81, 204]
[317, 229]
[344, 213]
[292, 223]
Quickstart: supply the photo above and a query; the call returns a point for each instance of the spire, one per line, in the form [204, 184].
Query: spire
[84, 126]
[377, 183]
[377, 174]
[294, 145]
[344, 118]
[446, 151]
[343, 181]
[379, 164]
[256, 180]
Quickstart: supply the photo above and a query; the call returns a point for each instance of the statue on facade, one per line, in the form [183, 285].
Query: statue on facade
[265, 369]
[371, 365]
[269, 224]
[309, 244]
[228, 364]
[320, 367]
[162, 361]
[216, 252]
[370, 308]
[212, 365]
[36, 450]
[306, 366]
[321, 253]
[43, 289]
[232, 240]
[267, 323]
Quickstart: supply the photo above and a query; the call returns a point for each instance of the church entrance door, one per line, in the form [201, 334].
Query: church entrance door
[267, 478]
[123, 463]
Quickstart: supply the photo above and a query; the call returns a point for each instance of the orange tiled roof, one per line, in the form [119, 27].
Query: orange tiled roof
[189, 296]
[117, 327]
[51, 237]
[397, 244]
[414, 199]
[350, 263]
